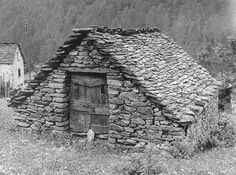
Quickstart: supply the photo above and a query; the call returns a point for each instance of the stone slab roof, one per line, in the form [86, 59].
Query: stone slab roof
[164, 71]
[7, 52]
[162, 68]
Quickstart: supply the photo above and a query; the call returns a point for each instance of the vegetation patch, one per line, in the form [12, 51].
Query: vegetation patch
[54, 154]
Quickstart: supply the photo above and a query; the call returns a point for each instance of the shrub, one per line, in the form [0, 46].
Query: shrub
[227, 131]
[142, 164]
[207, 133]
[183, 149]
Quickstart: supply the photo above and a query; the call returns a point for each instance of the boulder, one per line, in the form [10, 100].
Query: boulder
[62, 123]
[59, 105]
[131, 142]
[102, 136]
[112, 140]
[60, 99]
[128, 129]
[138, 121]
[48, 99]
[145, 110]
[59, 128]
[129, 95]
[115, 134]
[56, 85]
[116, 127]
[22, 124]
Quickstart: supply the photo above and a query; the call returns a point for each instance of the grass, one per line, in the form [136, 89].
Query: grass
[24, 153]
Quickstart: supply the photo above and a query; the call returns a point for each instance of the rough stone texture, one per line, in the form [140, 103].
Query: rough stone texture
[155, 88]
[208, 119]
[41, 110]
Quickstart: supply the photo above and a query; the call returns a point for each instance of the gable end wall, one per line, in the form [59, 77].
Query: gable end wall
[9, 72]
[133, 116]
[18, 64]
[207, 120]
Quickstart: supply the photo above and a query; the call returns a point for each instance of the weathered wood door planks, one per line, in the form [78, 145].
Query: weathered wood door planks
[89, 103]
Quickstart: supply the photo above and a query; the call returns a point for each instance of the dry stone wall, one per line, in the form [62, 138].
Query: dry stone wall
[44, 103]
[135, 119]
[48, 107]
[148, 100]
[162, 70]
[133, 116]
[207, 120]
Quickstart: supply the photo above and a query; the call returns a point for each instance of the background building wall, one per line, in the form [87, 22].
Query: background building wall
[18, 65]
[6, 72]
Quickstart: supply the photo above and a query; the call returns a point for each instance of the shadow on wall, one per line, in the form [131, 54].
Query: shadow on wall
[225, 95]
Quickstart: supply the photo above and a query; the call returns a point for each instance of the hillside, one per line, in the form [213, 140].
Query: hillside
[193, 24]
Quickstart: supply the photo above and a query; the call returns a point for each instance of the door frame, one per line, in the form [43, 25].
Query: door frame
[102, 74]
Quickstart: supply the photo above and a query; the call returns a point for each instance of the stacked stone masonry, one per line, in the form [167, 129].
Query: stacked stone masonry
[156, 90]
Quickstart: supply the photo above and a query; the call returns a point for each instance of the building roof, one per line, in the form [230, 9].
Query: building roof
[7, 52]
[164, 71]
[162, 68]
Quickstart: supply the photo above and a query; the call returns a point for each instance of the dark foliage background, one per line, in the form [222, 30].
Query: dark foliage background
[194, 24]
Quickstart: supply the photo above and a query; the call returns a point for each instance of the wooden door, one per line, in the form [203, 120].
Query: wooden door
[89, 106]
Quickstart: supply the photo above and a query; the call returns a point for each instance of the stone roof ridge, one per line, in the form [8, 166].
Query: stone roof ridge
[8, 43]
[149, 84]
[82, 30]
[119, 31]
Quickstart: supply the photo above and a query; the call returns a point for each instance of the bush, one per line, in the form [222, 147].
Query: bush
[183, 149]
[227, 131]
[205, 135]
[142, 164]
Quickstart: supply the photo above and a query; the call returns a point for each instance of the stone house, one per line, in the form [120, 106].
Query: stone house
[127, 85]
[11, 64]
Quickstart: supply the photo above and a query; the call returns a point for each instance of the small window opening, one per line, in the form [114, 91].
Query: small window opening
[19, 73]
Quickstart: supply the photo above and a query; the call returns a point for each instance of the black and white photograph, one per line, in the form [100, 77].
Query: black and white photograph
[118, 87]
